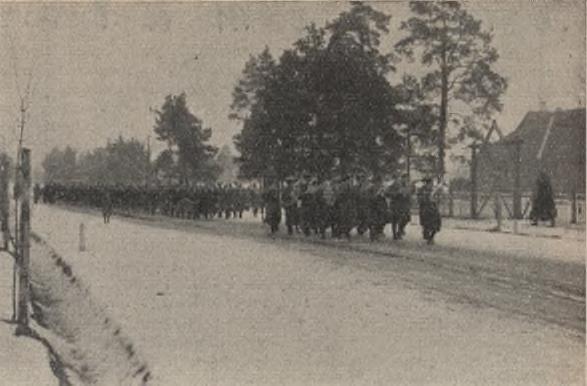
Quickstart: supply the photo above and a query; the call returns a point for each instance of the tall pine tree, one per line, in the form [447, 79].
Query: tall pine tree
[186, 137]
[459, 56]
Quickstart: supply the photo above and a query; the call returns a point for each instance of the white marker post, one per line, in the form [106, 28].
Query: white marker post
[82, 238]
[498, 214]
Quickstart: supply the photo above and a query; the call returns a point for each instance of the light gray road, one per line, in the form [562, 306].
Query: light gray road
[209, 309]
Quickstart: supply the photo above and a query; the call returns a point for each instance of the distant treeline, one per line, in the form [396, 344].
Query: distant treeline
[188, 158]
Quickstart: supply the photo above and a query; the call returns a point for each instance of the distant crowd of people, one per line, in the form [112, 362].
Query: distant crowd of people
[228, 200]
[310, 204]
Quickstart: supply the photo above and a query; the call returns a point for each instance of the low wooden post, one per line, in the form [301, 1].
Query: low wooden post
[82, 237]
[24, 234]
[498, 214]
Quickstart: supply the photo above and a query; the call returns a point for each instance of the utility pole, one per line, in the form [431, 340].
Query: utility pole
[409, 152]
[24, 241]
[22, 188]
[474, 180]
[4, 204]
[18, 245]
[573, 206]
[18, 180]
[517, 179]
[148, 182]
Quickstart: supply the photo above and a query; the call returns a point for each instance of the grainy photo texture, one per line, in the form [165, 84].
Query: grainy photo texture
[292, 193]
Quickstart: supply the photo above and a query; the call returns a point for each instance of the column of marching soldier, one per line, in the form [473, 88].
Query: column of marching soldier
[311, 205]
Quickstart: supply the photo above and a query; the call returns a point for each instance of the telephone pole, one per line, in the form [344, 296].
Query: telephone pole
[24, 256]
[149, 176]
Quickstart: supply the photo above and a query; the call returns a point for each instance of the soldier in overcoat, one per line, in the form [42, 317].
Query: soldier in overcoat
[345, 208]
[377, 209]
[272, 207]
[429, 214]
[400, 197]
[289, 201]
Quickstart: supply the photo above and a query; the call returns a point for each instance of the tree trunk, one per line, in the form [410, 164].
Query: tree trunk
[443, 121]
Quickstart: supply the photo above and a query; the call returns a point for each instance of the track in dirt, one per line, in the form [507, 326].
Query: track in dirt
[545, 295]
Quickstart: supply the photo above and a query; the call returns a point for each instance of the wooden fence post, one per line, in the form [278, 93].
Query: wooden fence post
[82, 237]
[573, 207]
[497, 209]
[24, 241]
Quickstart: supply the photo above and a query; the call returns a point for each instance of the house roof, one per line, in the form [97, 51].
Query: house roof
[546, 132]
[552, 141]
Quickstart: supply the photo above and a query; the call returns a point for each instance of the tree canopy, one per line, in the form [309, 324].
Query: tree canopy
[123, 161]
[187, 140]
[326, 106]
[459, 57]
[60, 165]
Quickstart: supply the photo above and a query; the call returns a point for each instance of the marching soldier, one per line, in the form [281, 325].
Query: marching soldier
[106, 206]
[272, 208]
[400, 195]
[377, 209]
[36, 193]
[327, 214]
[289, 200]
[307, 208]
[345, 208]
[429, 214]
[256, 201]
[361, 193]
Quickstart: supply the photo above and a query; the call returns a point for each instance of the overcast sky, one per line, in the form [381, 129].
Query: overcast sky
[97, 69]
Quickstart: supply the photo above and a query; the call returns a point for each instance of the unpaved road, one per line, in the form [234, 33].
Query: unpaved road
[207, 307]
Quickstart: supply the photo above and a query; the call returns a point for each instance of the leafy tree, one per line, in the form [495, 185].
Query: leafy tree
[127, 161]
[252, 85]
[123, 161]
[417, 123]
[60, 166]
[165, 166]
[186, 137]
[325, 107]
[458, 53]
[248, 107]
[226, 164]
[119, 162]
[93, 166]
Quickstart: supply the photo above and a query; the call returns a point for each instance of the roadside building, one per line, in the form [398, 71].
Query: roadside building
[549, 141]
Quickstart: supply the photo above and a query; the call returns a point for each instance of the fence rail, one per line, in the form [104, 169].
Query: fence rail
[458, 204]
